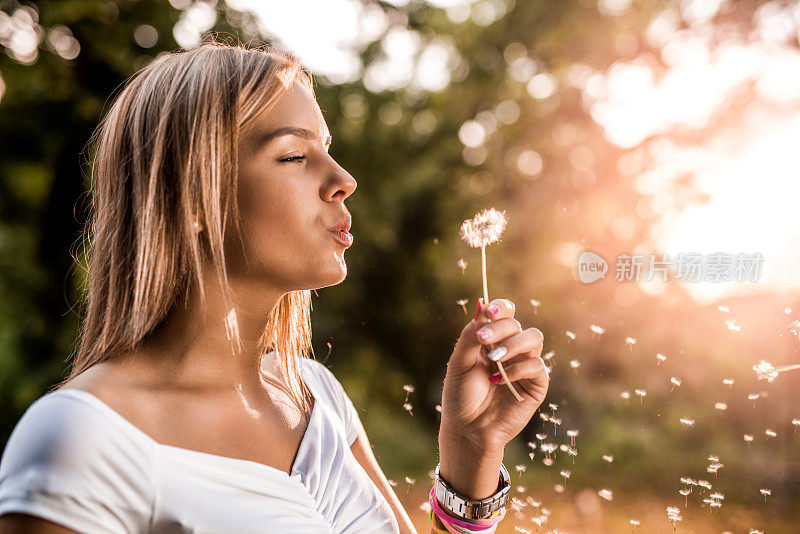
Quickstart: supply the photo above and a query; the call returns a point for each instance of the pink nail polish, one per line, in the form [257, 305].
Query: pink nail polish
[495, 378]
[493, 309]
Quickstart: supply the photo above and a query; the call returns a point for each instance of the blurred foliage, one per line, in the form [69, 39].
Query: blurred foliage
[395, 319]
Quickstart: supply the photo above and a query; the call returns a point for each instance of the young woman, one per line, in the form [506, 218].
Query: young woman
[192, 404]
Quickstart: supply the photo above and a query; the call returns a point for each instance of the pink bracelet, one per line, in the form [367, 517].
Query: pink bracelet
[487, 526]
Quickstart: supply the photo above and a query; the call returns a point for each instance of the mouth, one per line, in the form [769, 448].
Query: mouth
[342, 236]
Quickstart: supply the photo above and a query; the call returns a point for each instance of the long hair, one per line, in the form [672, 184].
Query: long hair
[164, 156]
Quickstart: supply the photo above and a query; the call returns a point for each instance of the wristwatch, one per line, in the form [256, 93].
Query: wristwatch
[472, 508]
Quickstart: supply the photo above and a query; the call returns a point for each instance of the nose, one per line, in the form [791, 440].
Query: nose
[340, 185]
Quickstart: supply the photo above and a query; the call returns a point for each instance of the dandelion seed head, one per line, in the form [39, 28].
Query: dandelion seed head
[553, 406]
[713, 459]
[765, 491]
[660, 357]
[630, 340]
[541, 437]
[410, 481]
[687, 422]
[717, 496]
[572, 433]
[673, 514]
[765, 371]
[407, 407]
[408, 388]
[566, 474]
[462, 302]
[685, 492]
[704, 484]
[675, 381]
[484, 228]
[770, 433]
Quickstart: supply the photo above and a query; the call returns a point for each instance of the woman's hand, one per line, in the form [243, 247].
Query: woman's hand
[478, 414]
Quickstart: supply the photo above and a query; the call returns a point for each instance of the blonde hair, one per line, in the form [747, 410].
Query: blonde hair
[164, 156]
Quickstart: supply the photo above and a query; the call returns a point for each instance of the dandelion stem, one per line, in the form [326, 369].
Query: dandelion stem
[486, 300]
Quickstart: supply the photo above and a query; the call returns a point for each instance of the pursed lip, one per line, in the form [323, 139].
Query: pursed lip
[343, 224]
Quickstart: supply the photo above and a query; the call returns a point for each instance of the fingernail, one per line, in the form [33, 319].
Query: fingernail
[493, 309]
[477, 310]
[485, 333]
[497, 353]
[495, 378]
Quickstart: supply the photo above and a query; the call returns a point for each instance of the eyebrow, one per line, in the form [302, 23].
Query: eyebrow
[266, 137]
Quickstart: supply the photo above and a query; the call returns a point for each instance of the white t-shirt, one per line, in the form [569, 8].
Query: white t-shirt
[73, 460]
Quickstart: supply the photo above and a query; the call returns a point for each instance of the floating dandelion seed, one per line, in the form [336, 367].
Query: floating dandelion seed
[553, 407]
[481, 231]
[634, 523]
[724, 309]
[686, 422]
[608, 458]
[392, 483]
[566, 474]
[572, 435]
[676, 382]
[766, 493]
[641, 393]
[704, 484]
[520, 469]
[660, 357]
[535, 303]
[795, 423]
[439, 408]
[570, 335]
[574, 364]
[685, 492]
[721, 406]
[787, 310]
[625, 395]
[597, 331]
[748, 438]
[407, 407]
[674, 515]
[409, 389]
[555, 422]
[770, 433]
[410, 482]
[606, 494]
[541, 437]
[463, 304]
[462, 264]
[756, 531]
[543, 416]
[630, 342]
[753, 396]
[731, 324]
[728, 381]
[713, 458]
[794, 328]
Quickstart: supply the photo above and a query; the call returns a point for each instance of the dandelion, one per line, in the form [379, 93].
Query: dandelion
[520, 469]
[795, 423]
[535, 303]
[724, 309]
[572, 435]
[570, 335]
[685, 492]
[482, 230]
[766, 493]
[408, 407]
[544, 417]
[713, 458]
[641, 393]
[463, 304]
[753, 396]
[541, 437]
[607, 458]
[676, 382]
[731, 324]
[766, 371]
[686, 422]
[597, 331]
[704, 484]
[748, 438]
[553, 407]
[630, 342]
[606, 494]
[770, 433]
[566, 474]
[660, 357]
[549, 355]
[728, 381]
[574, 364]
[674, 515]
[721, 406]
[555, 422]
[409, 482]
[634, 523]
[462, 264]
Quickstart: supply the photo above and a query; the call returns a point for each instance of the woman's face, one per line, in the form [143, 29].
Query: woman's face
[291, 196]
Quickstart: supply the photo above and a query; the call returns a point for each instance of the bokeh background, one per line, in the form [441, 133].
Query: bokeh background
[615, 126]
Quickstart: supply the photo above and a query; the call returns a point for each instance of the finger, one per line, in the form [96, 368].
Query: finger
[499, 309]
[529, 343]
[532, 369]
[497, 331]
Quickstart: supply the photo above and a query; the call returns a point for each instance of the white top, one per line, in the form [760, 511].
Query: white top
[73, 460]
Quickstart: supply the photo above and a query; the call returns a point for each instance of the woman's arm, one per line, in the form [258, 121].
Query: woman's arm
[15, 523]
[362, 450]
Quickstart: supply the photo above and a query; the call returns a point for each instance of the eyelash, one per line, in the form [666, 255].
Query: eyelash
[293, 159]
